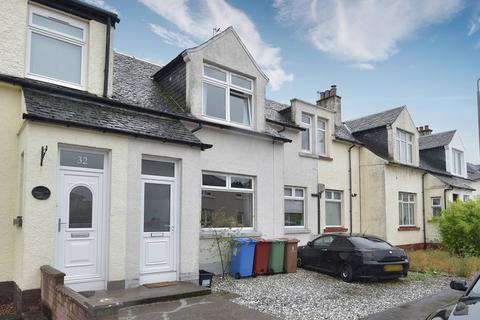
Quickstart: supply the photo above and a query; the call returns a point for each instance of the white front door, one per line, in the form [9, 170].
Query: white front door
[80, 228]
[157, 243]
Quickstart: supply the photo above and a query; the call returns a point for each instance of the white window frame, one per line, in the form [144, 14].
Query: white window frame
[457, 167]
[318, 129]
[228, 85]
[83, 43]
[332, 199]
[400, 208]
[296, 198]
[309, 128]
[228, 188]
[436, 206]
[466, 197]
[403, 138]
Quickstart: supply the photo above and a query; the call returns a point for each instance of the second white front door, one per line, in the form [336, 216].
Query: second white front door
[157, 248]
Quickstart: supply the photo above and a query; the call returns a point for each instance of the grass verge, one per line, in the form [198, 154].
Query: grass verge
[441, 261]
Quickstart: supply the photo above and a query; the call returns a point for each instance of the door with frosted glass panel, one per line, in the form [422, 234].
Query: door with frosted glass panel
[157, 242]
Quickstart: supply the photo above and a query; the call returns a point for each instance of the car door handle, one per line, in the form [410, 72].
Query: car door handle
[323, 249]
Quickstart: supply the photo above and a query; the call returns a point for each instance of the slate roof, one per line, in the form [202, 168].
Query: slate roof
[374, 120]
[473, 171]
[133, 84]
[275, 113]
[343, 133]
[65, 109]
[435, 140]
[455, 182]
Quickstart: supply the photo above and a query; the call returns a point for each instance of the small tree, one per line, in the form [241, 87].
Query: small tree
[224, 232]
[460, 228]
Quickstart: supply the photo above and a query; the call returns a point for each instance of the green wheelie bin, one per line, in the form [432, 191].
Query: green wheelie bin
[276, 256]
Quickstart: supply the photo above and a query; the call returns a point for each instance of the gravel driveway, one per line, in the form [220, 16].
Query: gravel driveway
[310, 295]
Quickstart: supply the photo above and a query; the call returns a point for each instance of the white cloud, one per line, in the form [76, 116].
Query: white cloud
[474, 25]
[363, 31]
[196, 22]
[171, 37]
[101, 4]
[364, 66]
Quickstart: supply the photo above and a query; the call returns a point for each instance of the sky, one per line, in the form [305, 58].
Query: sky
[424, 54]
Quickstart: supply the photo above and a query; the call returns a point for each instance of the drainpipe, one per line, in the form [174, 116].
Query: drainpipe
[107, 58]
[350, 185]
[445, 197]
[423, 212]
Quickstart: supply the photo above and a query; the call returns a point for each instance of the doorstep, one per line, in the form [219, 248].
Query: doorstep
[143, 295]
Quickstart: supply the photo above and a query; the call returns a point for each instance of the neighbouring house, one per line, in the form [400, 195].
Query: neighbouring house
[473, 171]
[120, 172]
[442, 155]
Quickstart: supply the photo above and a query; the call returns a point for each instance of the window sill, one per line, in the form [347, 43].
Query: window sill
[297, 230]
[314, 156]
[210, 234]
[334, 229]
[408, 228]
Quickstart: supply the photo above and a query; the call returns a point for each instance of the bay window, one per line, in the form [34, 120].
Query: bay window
[294, 202]
[404, 146]
[406, 204]
[333, 208]
[227, 96]
[56, 47]
[227, 201]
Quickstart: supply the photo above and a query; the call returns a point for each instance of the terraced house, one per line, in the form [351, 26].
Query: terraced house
[119, 172]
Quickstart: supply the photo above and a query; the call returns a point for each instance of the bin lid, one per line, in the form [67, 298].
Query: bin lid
[263, 240]
[279, 240]
[290, 240]
[245, 240]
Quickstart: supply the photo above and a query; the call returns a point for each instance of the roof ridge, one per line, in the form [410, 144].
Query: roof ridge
[138, 59]
[377, 113]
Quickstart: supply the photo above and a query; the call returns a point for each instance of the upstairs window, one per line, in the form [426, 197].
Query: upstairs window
[404, 147]
[56, 48]
[457, 167]
[321, 135]
[227, 96]
[307, 134]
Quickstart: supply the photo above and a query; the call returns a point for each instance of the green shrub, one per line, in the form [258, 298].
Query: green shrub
[460, 228]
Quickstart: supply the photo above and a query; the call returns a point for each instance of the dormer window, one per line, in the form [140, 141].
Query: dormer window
[56, 48]
[227, 96]
[458, 162]
[404, 147]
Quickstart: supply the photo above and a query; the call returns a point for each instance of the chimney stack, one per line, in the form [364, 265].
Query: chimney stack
[329, 100]
[424, 130]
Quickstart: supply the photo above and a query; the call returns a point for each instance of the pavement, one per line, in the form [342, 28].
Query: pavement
[211, 307]
[418, 310]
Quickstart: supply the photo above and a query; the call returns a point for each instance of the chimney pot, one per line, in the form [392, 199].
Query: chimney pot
[424, 130]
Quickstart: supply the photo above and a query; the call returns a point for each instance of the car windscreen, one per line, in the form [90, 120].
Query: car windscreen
[369, 243]
[475, 292]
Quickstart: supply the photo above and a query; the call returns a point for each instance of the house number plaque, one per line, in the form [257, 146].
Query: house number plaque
[41, 193]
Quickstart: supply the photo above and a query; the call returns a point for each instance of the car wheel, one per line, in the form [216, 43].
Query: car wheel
[299, 262]
[346, 273]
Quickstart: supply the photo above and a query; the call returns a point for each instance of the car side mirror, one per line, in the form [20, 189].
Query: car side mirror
[310, 243]
[460, 285]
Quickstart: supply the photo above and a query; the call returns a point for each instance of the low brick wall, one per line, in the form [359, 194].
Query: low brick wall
[62, 303]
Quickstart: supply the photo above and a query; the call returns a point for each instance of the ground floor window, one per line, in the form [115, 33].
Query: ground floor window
[436, 206]
[466, 197]
[227, 201]
[294, 199]
[333, 208]
[406, 203]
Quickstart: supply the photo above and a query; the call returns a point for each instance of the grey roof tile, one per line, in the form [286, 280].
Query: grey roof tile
[275, 112]
[455, 182]
[374, 120]
[436, 140]
[133, 84]
[64, 109]
[473, 171]
[343, 133]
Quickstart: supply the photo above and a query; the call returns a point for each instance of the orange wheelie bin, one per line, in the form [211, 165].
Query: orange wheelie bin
[290, 260]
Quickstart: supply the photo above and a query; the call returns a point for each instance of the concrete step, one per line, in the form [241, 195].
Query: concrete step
[143, 295]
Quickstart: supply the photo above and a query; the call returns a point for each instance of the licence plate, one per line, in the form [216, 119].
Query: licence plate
[393, 268]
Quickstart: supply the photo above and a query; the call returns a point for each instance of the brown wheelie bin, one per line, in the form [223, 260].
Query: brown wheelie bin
[290, 262]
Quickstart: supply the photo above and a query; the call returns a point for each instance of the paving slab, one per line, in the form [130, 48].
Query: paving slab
[420, 309]
[211, 307]
[142, 295]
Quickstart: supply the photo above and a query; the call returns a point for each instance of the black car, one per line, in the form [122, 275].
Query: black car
[466, 308]
[355, 256]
